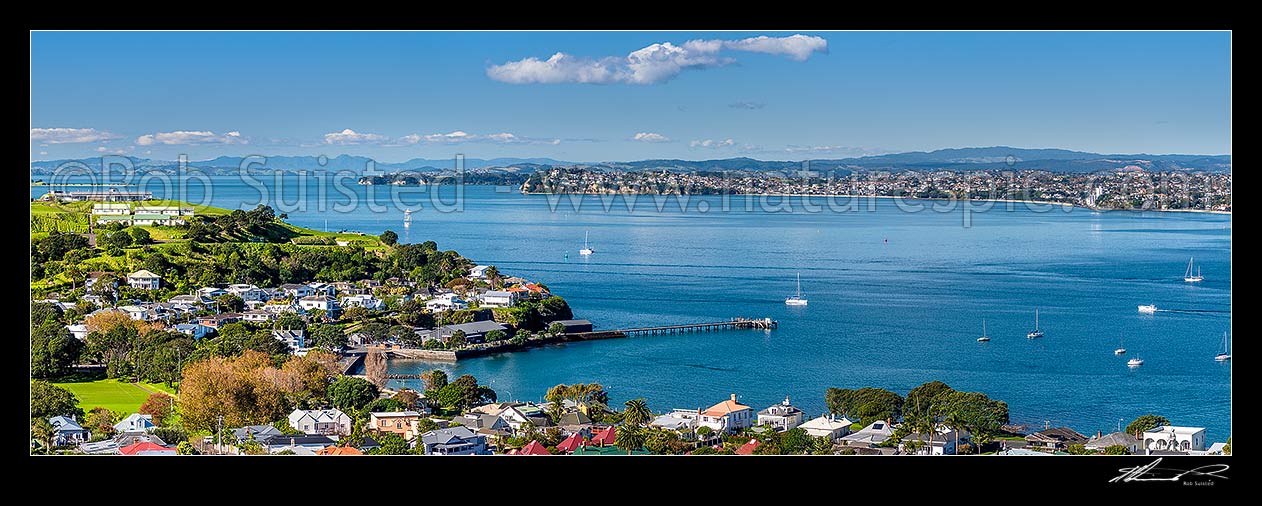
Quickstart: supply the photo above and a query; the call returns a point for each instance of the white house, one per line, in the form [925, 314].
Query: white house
[320, 421]
[499, 298]
[156, 219]
[248, 292]
[296, 339]
[727, 416]
[144, 280]
[322, 288]
[478, 271]
[828, 426]
[782, 416]
[942, 441]
[196, 330]
[1171, 438]
[79, 331]
[258, 316]
[167, 210]
[296, 290]
[93, 277]
[283, 308]
[876, 432]
[112, 209]
[211, 292]
[365, 301]
[445, 302]
[457, 440]
[135, 422]
[322, 302]
[135, 312]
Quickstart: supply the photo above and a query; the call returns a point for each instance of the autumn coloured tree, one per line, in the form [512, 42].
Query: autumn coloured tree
[158, 405]
[250, 389]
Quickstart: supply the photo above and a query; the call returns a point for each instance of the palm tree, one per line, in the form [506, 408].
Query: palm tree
[637, 412]
[954, 421]
[629, 438]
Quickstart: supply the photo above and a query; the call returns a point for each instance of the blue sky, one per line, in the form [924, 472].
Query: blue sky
[625, 95]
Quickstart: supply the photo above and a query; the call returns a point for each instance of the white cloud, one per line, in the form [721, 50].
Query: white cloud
[42, 153]
[191, 137]
[747, 105]
[458, 137]
[651, 137]
[652, 64]
[102, 149]
[847, 151]
[711, 143]
[70, 135]
[349, 136]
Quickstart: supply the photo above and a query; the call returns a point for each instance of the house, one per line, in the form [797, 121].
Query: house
[144, 280]
[282, 308]
[875, 433]
[677, 420]
[296, 339]
[325, 303]
[295, 290]
[1171, 438]
[321, 288]
[338, 450]
[219, 320]
[446, 301]
[248, 292]
[106, 447]
[162, 209]
[575, 422]
[306, 444]
[320, 421]
[147, 219]
[210, 292]
[478, 271]
[347, 288]
[402, 423]
[111, 209]
[499, 298]
[943, 441]
[255, 432]
[605, 437]
[66, 431]
[365, 301]
[135, 312]
[196, 330]
[572, 443]
[474, 332]
[782, 417]
[258, 316]
[1102, 441]
[147, 448]
[195, 300]
[79, 331]
[828, 426]
[728, 416]
[748, 448]
[517, 415]
[135, 422]
[93, 277]
[532, 448]
[1056, 438]
[131, 438]
[574, 326]
[488, 425]
[457, 440]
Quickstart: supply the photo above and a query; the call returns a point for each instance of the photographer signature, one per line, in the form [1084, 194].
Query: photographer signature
[1151, 472]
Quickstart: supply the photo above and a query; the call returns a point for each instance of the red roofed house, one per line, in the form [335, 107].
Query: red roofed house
[728, 416]
[146, 448]
[605, 437]
[571, 443]
[534, 448]
[748, 448]
[338, 450]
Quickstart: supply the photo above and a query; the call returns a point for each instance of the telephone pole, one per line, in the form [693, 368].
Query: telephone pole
[219, 444]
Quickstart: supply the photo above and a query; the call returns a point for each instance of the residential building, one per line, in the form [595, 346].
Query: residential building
[782, 416]
[255, 432]
[445, 302]
[474, 332]
[66, 431]
[295, 290]
[306, 444]
[1171, 438]
[875, 433]
[148, 449]
[319, 288]
[943, 441]
[144, 280]
[219, 320]
[338, 450]
[491, 426]
[146, 219]
[113, 209]
[1056, 438]
[365, 301]
[478, 271]
[196, 330]
[135, 312]
[574, 326]
[457, 440]
[296, 339]
[135, 422]
[325, 303]
[79, 331]
[499, 298]
[402, 423]
[320, 421]
[211, 292]
[828, 426]
[677, 420]
[1102, 441]
[93, 277]
[248, 292]
[728, 416]
[196, 300]
[167, 210]
[258, 316]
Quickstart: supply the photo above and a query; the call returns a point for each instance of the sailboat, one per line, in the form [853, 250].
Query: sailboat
[1121, 350]
[1187, 275]
[1135, 362]
[1036, 333]
[407, 218]
[587, 250]
[796, 299]
[1223, 356]
[984, 338]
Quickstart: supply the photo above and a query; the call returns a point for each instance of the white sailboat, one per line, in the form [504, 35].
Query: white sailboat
[796, 299]
[407, 218]
[1036, 333]
[1135, 362]
[1121, 350]
[985, 337]
[1149, 309]
[1187, 275]
[586, 249]
[1224, 355]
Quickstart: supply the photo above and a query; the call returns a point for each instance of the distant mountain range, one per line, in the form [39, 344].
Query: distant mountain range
[999, 157]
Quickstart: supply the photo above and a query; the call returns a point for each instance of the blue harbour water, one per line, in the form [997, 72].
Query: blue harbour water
[897, 298]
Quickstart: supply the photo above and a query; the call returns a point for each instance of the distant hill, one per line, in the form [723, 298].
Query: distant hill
[997, 157]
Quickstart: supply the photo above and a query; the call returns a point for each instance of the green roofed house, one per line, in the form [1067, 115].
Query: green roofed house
[167, 210]
[156, 219]
[606, 450]
[111, 208]
[102, 219]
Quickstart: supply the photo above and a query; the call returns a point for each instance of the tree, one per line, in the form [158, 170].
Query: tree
[290, 321]
[101, 421]
[389, 238]
[1116, 450]
[1146, 423]
[435, 379]
[230, 303]
[868, 404]
[384, 406]
[1227, 447]
[495, 336]
[391, 444]
[457, 339]
[637, 412]
[795, 441]
[462, 394]
[186, 448]
[1077, 449]
[375, 367]
[53, 350]
[349, 393]
[49, 400]
[119, 239]
[170, 435]
[556, 329]
[159, 405]
[355, 313]
[425, 425]
[42, 312]
[408, 397]
[42, 431]
[329, 337]
[629, 438]
[249, 389]
[923, 398]
[139, 236]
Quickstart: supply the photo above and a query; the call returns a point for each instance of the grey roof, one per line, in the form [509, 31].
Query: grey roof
[446, 436]
[259, 432]
[481, 327]
[296, 440]
[293, 286]
[64, 424]
[477, 420]
[1058, 434]
[287, 334]
[572, 322]
[1116, 438]
[574, 418]
[106, 446]
[131, 438]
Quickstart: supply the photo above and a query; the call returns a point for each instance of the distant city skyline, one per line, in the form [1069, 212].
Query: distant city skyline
[617, 96]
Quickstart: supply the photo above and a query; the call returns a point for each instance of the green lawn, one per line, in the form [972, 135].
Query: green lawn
[112, 394]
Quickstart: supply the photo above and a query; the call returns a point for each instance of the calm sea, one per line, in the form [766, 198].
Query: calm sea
[897, 297]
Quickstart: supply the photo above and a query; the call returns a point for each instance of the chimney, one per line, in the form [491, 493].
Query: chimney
[1099, 434]
[733, 397]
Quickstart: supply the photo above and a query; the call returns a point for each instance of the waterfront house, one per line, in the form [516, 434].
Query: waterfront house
[828, 426]
[478, 271]
[320, 421]
[605, 437]
[942, 441]
[144, 280]
[296, 290]
[499, 298]
[363, 300]
[248, 293]
[258, 316]
[1055, 438]
[574, 326]
[211, 292]
[445, 302]
[474, 332]
[147, 219]
[164, 209]
[295, 339]
[875, 433]
[748, 448]
[457, 440]
[305, 444]
[1102, 441]
[78, 330]
[196, 330]
[402, 423]
[66, 431]
[782, 416]
[677, 420]
[148, 449]
[323, 302]
[1171, 438]
[135, 422]
[728, 416]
